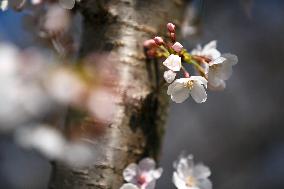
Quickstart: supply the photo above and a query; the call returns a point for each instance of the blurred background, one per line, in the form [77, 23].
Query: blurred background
[238, 133]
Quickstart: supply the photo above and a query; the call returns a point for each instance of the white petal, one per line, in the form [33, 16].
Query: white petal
[147, 164]
[221, 86]
[179, 83]
[180, 95]
[210, 50]
[130, 172]
[200, 80]
[157, 173]
[178, 182]
[173, 62]
[177, 90]
[169, 76]
[201, 171]
[213, 78]
[233, 59]
[219, 60]
[198, 93]
[197, 51]
[224, 69]
[210, 45]
[129, 186]
[150, 185]
[205, 184]
[184, 166]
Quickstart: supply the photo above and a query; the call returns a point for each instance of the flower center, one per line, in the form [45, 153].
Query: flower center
[141, 180]
[190, 182]
[189, 84]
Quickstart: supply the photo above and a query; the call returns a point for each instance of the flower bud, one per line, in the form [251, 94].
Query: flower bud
[177, 47]
[159, 41]
[149, 43]
[171, 27]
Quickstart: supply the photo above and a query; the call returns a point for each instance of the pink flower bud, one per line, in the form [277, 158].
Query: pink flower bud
[159, 40]
[177, 47]
[171, 27]
[149, 43]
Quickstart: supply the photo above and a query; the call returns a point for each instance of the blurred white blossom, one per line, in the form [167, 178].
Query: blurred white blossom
[195, 86]
[43, 138]
[57, 20]
[102, 104]
[173, 62]
[68, 4]
[65, 86]
[4, 5]
[220, 70]
[51, 143]
[143, 175]
[22, 96]
[190, 176]
[36, 2]
[209, 51]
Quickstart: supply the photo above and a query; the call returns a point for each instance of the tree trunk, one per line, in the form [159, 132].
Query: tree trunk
[121, 26]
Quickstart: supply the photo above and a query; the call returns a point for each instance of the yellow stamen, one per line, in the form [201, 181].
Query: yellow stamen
[189, 84]
[190, 181]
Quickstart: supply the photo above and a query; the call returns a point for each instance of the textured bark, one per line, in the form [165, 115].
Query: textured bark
[121, 26]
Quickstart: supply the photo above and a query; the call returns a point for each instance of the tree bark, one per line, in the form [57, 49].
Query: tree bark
[121, 26]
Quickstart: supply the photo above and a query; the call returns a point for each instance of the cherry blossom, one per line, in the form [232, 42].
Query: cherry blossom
[208, 51]
[190, 176]
[4, 5]
[143, 175]
[220, 70]
[195, 86]
[173, 62]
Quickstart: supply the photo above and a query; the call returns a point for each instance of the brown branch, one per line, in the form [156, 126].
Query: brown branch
[121, 26]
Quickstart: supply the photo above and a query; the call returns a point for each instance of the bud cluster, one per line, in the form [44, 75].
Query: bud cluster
[212, 68]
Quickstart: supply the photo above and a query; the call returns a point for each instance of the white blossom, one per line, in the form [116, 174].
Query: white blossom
[190, 176]
[51, 143]
[173, 62]
[209, 50]
[43, 138]
[4, 5]
[195, 86]
[65, 87]
[169, 76]
[220, 70]
[143, 175]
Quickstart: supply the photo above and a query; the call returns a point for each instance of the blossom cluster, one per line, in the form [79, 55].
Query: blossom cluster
[211, 67]
[187, 175]
[52, 23]
[36, 89]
